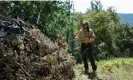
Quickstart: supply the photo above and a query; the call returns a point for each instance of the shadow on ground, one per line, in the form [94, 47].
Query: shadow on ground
[93, 76]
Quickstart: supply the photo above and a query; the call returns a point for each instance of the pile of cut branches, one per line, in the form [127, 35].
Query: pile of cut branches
[32, 56]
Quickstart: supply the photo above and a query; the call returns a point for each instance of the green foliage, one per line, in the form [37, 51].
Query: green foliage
[51, 16]
[113, 15]
[78, 19]
[96, 6]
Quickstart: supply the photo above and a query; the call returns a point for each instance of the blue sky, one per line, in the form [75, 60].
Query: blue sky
[121, 6]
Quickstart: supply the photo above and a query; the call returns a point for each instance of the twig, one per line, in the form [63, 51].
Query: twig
[23, 70]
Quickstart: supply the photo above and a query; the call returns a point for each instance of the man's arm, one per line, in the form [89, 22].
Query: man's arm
[91, 37]
[78, 36]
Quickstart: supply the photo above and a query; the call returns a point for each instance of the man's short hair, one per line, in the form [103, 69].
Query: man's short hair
[86, 22]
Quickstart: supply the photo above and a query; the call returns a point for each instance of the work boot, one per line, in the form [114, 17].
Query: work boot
[86, 71]
[94, 69]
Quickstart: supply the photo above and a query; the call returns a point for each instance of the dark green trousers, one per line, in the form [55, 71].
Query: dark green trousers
[86, 50]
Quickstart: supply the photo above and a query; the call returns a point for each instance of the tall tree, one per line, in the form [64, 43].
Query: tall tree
[51, 16]
[96, 6]
[113, 15]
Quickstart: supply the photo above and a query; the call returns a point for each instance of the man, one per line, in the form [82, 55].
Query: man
[86, 36]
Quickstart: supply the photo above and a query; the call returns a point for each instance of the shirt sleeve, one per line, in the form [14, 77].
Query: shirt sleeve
[79, 35]
[92, 35]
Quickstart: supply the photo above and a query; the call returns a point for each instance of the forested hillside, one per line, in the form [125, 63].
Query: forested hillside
[126, 18]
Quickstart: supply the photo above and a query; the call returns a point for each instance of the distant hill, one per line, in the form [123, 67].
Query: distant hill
[126, 18]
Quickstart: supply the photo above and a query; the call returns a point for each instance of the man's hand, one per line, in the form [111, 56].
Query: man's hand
[90, 40]
[77, 38]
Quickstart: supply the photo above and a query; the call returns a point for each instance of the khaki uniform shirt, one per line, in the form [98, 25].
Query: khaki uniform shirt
[84, 34]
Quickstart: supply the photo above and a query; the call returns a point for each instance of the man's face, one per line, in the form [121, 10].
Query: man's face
[84, 27]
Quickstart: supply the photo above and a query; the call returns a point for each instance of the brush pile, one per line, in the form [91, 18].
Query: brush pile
[27, 54]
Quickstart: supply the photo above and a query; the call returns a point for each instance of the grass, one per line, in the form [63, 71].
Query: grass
[116, 69]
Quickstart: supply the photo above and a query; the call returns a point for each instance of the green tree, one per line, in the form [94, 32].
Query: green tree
[113, 15]
[96, 6]
[51, 16]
